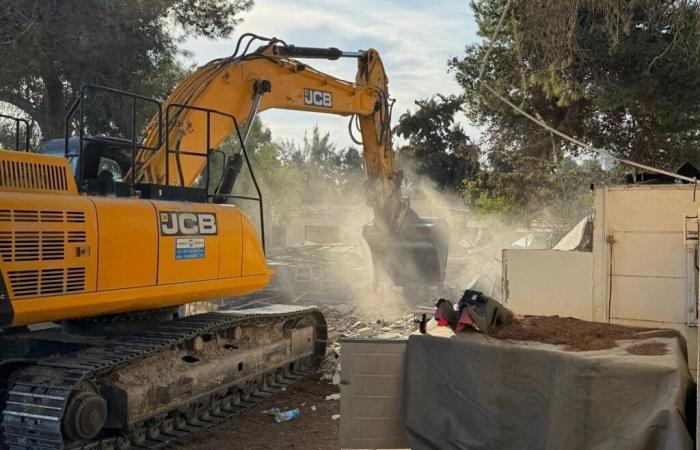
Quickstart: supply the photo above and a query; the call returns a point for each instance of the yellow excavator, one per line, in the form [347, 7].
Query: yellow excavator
[108, 239]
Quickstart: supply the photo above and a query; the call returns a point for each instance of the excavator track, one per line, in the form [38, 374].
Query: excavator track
[40, 404]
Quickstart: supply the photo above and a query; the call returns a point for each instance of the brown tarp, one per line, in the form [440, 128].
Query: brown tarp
[469, 391]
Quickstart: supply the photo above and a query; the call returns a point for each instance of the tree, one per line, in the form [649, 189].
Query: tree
[50, 48]
[617, 74]
[522, 189]
[436, 145]
[289, 174]
[330, 174]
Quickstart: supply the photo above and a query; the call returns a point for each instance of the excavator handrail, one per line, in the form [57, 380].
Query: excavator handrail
[79, 104]
[177, 151]
[135, 146]
[27, 130]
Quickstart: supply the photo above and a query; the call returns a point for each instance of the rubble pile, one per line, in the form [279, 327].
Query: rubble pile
[344, 321]
[314, 273]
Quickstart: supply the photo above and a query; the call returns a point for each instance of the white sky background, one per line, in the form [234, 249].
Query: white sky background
[415, 38]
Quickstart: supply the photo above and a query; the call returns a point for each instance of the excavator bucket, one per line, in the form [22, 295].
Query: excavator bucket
[416, 256]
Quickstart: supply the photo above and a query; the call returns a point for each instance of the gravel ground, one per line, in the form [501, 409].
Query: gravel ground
[313, 430]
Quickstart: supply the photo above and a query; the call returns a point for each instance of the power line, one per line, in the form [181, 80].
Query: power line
[551, 129]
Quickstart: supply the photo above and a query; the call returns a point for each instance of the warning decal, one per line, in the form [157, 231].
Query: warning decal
[192, 248]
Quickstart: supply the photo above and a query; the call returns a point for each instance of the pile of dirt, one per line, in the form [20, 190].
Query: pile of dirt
[574, 334]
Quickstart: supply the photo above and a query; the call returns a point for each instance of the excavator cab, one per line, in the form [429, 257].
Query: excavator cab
[102, 159]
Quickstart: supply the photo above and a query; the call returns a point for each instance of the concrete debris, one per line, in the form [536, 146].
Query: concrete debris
[344, 321]
[365, 332]
[389, 336]
[314, 273]
[336, 376]
[333, 397]
[336, 350]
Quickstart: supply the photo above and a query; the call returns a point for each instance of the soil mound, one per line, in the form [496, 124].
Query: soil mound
[575, 334]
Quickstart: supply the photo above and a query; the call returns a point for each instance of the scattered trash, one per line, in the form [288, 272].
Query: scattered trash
[271, 411]
[335, 416]
[313, 407]
[333, 396]
[285, 416]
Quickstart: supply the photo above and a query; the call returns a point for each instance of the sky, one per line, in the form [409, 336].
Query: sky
[415, 38]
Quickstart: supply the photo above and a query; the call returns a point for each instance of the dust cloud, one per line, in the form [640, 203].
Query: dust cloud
[476, 240]
[339, 270]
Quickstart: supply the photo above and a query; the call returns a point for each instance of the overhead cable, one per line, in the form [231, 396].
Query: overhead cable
[551, 129]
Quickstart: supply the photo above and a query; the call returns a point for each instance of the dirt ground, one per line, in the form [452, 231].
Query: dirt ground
[574, 334]
[313, 430]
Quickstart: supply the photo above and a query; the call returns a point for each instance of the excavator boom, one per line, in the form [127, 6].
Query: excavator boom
[411, 250]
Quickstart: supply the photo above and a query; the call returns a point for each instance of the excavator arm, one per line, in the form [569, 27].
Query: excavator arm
[270, 78]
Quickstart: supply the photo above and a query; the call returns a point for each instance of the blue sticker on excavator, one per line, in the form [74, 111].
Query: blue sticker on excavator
[189, 248]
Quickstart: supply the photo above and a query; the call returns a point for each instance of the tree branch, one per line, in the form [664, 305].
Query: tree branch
[17, 100]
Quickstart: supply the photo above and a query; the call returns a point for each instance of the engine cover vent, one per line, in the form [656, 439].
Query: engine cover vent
[31, 283]
[35, 173]
[33, 176]
[20, 246]
[43, 216]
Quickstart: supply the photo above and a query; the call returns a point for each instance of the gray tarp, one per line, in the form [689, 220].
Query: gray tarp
[469, 391]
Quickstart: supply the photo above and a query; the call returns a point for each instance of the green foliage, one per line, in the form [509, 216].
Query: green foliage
[50, 48]
[289, 174]
[436, 146]
[209, 18]
[617, 74]
[522, 189]
[621, 75]
[330, 174]
[7, 135]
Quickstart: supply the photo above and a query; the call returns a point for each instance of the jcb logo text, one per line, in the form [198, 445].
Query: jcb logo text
[187, 224]
[313, 97]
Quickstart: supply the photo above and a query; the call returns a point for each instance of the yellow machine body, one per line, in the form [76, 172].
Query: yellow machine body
[66, 255]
